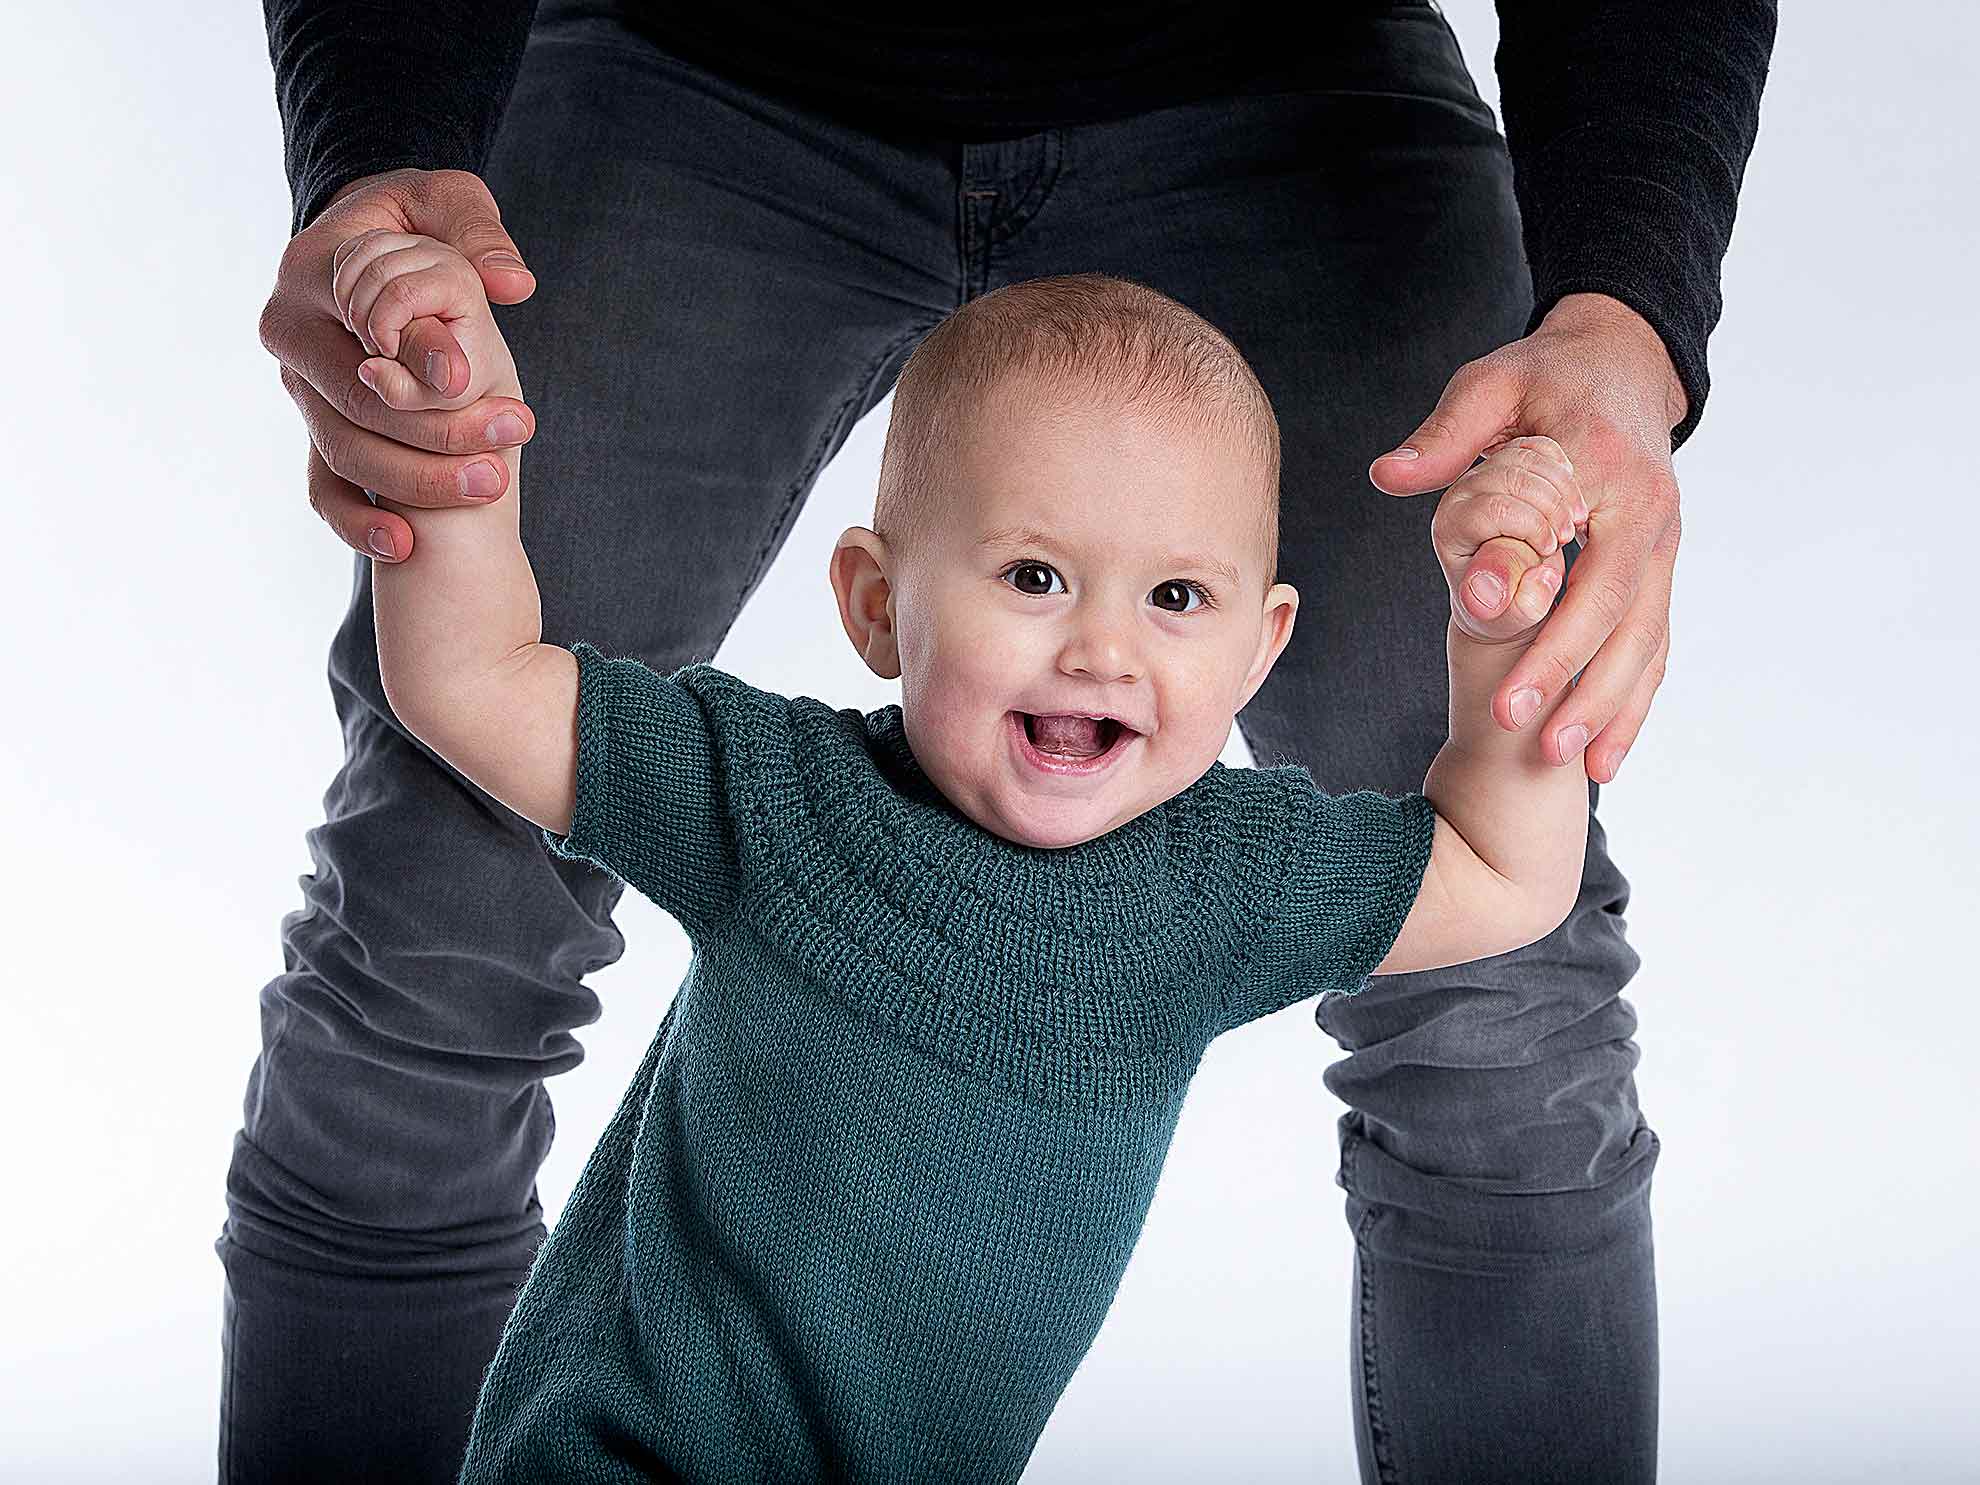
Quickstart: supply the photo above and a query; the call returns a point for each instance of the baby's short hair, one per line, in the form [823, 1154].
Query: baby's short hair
[1120, 338]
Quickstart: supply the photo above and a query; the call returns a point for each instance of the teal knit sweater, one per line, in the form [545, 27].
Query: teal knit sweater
[866, 1203]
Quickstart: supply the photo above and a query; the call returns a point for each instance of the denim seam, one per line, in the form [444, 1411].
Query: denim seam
[1378, 1434]
[820, 453]
[1026, 211]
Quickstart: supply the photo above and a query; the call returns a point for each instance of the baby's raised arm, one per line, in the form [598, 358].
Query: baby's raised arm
[460, 621]
[1511, 829]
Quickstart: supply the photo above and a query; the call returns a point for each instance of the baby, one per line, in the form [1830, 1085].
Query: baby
[868, 1199]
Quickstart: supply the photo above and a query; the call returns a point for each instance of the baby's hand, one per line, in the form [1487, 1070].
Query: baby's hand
[1502, 527]
[383, 281]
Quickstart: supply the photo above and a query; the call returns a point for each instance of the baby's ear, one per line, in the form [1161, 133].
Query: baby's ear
[1275, 632]
[860, 571]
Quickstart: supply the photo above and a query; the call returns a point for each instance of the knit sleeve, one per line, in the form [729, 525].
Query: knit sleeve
[650, 804]
[1347, 874]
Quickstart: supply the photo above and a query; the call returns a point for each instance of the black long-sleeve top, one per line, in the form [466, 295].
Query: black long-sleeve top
[1629, 122]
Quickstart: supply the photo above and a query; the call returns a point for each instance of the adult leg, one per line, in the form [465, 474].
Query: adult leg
[725, 286]
[1350, 222]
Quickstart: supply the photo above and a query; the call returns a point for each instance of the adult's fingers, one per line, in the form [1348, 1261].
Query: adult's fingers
[457, 207]
[372, 461]
[1602, 758]
[1612, 680]
[1601, 591]
[349, 422]
[361, 526]
[301, 327]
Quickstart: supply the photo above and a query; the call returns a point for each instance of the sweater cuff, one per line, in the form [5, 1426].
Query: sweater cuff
[594, 826]
[1636, 237]
[1403, 859]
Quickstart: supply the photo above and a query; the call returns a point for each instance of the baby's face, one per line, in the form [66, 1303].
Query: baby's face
[1098, 562]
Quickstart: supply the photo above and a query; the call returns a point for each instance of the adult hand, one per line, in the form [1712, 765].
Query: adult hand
[357, 442]
[1594, 377]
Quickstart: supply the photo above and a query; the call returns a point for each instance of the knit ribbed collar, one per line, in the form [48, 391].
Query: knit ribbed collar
[1094, 973]
[1129, 863]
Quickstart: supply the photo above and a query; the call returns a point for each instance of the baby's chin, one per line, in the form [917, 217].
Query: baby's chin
[1052, 837]
[1054, 824]
[1005, 787]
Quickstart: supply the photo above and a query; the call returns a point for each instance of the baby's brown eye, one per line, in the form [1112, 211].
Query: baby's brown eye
[1025, 570]
[1174, 588]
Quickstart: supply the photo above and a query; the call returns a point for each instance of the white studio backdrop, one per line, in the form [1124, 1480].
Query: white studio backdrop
[1798, 821]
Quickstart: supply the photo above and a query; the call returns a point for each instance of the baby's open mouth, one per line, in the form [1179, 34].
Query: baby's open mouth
[1066, 736]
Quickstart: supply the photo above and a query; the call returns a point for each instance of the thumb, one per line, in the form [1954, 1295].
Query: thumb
[456, 207]
[1479, 405]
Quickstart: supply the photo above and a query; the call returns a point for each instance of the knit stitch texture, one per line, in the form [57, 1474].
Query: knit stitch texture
[865, 1205]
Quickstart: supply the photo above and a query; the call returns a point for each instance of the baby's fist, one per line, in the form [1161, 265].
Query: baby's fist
[382, 281]
[1499, 533]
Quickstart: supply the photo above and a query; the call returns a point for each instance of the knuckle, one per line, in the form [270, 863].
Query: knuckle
[1611, 596]
[1555, 672]
[1507, 513]
[354, 399]
[1647, 637]
[1484, 374]
[270, 326]
[1541, 446]
[1439, 427]
[1528, 483]
[438, 483]
[334, 449]
[461, 433]
[1668, 536]
[394, 294]
[1541, 474]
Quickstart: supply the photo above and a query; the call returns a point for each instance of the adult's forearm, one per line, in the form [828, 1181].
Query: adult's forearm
[370, 85]
[1524, 817]
[464, 603]
[1629, 123]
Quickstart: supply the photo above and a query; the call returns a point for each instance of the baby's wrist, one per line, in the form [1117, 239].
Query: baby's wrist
[1477, 667]
[1508, 649]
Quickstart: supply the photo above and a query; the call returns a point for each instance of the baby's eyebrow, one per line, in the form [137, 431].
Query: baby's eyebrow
[1015, 536]
[1026, 536]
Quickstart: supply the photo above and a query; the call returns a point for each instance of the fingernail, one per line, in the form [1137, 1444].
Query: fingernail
[1535, 598]
[436, 370]
[1525, 702]
[1580, 510]
[481, 481]
[1573, 740]
[503, 260]
[1404, 452]
[364, 375]
[505, 428]
[381, 543]
[1487, 589]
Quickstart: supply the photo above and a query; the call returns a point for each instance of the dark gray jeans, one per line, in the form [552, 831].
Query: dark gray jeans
[727, 282]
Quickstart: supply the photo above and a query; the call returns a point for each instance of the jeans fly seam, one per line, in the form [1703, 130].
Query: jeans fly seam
[1026, 209]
